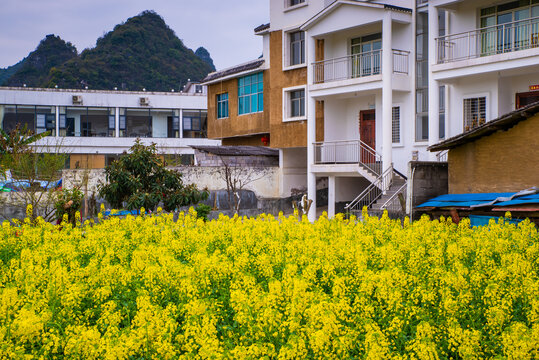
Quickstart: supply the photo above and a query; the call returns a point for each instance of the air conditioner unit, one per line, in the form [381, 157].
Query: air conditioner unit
[77, 100]
[144, 101]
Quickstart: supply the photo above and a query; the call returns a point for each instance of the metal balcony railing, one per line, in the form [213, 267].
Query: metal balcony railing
[492, 40]
[348, 152]
[358, 65]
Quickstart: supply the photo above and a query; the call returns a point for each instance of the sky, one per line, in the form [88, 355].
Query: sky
[223, 27]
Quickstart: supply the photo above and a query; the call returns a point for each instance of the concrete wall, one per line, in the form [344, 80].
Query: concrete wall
[205, 159]
[506, 161]
[426, 180]
[265, 185]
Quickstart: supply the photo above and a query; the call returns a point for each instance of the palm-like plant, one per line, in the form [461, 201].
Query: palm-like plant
[18, 140]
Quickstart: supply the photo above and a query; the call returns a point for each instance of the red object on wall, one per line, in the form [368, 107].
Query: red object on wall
[265, 140]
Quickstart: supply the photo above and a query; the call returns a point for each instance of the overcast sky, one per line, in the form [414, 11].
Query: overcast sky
[223, 27]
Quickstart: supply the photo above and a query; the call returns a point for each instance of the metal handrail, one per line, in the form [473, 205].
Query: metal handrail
[347, 151]
[442, 156]
[489, 40]
[373, 192]
[367, 63]
[390, 203]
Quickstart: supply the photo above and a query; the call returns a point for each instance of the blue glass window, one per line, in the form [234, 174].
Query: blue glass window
[250, 94]
[222, 105]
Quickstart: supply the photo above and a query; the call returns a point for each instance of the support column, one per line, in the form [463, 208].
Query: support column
[311, 127]
[387, 91]
[57, 120]
[180, 132]
[434, 91]
[331, 196]
[117, 122]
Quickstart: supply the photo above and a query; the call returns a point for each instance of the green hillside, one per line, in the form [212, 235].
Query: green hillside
[141, 53]
[34, 69]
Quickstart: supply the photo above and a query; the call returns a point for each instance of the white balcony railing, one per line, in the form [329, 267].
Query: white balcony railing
[492, 40]
[348, 152]
[358, 65]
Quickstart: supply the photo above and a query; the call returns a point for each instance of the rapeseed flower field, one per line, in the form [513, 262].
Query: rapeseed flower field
[149, 287]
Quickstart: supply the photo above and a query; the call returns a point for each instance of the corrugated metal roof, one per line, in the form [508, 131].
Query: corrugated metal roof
[238, 150]
[472, 201]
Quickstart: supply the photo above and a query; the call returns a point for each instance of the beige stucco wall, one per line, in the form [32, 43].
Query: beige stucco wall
[505, 161]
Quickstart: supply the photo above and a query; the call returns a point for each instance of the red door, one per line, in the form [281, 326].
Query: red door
[367, 134]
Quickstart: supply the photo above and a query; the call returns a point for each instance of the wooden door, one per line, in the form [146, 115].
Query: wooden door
[367, 134]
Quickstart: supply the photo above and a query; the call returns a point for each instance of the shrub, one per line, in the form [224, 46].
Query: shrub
[139, 179]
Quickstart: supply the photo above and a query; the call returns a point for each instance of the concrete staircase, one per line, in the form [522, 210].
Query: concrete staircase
[376, 208]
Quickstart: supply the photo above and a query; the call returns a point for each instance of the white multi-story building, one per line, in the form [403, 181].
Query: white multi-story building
[357, 89]
[95, 126]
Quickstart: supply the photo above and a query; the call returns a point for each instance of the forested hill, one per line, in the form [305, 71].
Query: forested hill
[141, 53]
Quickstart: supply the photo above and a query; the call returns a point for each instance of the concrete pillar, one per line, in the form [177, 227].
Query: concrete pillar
[387, 91]
[57, 120]
[181, 124]
[331, 196]
[434, 91]
[311, 126]
[117, 122]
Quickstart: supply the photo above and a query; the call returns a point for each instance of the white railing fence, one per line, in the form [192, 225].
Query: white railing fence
[358, 65]
[442, 156]
[397, 202]
[348, 152]
[496, 39]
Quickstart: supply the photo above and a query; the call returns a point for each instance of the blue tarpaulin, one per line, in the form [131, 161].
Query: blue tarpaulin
[481, 220]
[529, 196]
[121, 212]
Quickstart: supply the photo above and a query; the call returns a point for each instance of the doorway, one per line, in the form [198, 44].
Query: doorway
[367, 134]
[527, 98]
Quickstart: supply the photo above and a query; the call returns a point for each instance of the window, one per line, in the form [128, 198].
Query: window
[251, 94]
[509, 27]
[294, 104]
[295, 2]
[366, 55]
[288, 4]
[297, 103]
[441, 124]
[297, 48]
[475, 112]
[222, 105]
[396, 125]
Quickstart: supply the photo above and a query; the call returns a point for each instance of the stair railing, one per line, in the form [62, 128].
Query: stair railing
[397, 202]
[373, 192]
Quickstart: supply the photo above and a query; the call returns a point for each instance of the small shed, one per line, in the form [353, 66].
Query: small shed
[501, 155]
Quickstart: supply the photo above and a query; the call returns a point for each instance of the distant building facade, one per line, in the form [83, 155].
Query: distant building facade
[95, 126]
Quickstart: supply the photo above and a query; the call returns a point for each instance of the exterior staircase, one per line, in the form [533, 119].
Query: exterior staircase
[387, 192]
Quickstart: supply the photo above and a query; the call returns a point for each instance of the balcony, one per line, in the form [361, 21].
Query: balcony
[358, 66]
[348, 152]
[492, 40]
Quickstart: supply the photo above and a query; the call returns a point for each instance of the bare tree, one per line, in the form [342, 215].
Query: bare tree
[236, 177]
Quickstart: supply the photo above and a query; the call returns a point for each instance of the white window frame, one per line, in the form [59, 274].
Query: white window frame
[286, 50]
[288, 7]
[287, 103]
[486, 95]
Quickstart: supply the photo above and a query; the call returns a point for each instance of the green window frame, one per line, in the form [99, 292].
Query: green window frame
[251, 94]
[222, 106]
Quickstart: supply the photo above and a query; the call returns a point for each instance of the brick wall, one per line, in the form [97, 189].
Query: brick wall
[506, 161]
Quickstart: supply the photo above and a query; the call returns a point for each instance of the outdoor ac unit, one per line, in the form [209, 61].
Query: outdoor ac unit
[144, 101]
[77, 100]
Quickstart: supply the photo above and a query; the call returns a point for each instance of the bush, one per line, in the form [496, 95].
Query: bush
[139, 179]
[203, 211]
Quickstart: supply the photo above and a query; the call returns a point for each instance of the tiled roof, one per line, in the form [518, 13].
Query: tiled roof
[504, 122]
[238, 150]
[254, 64]
[262, 27]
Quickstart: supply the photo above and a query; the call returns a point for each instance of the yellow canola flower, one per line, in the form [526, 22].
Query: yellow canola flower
[268, 288]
